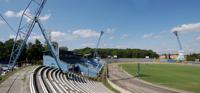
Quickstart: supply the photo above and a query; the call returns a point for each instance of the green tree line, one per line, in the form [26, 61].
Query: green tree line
[32, 52]
[192, 57]
[121, 53]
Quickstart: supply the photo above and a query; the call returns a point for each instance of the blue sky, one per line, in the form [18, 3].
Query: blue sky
[144, 24]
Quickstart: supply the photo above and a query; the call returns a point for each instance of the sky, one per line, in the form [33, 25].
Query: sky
[143, 24]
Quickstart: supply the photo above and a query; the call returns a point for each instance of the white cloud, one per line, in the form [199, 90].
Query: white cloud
[187, 27]
[121, 46]
[74, 35]
[151, 35]
[34, 37]
[58, 36]
[69, 36]
[45, 17]
[9, 13]
[2, 22]
[11, 36]
[147, 35]
[13, 14]
[111, 37]
[88, 44]
[63, 37]
[110, 30]
[124, 36]
[85, 33]
[107, 45]
[198, 38]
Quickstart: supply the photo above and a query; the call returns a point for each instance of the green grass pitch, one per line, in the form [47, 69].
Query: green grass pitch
[185, 77]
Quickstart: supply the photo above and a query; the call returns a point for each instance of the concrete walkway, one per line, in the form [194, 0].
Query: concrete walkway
[128, 82]
[17, 83]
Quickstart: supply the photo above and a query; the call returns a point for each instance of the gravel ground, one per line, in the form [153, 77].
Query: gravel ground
[18, 82]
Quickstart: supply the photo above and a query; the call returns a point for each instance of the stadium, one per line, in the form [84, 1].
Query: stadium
[36, 59]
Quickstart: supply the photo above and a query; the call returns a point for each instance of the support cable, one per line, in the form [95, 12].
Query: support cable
[11, 28]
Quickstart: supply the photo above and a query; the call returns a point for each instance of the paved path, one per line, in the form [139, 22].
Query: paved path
[17, 83]
[128, 82]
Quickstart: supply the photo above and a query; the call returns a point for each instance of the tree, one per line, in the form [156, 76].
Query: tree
[1, 50]
[8, 48]
[64, 48]
[29, 51]
[23, 54]
[35, 51]
[192, 57]
[122, 53]
[63, 51]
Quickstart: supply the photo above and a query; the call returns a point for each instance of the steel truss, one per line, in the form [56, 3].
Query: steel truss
[29, 18]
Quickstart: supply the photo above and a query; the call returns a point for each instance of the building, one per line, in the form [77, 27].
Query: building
[168, 56]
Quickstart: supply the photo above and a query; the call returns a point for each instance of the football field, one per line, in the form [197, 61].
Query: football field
[185, 77]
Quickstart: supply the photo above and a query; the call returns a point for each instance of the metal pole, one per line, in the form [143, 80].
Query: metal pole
[50, 46]
[8, 24]
[107, 71]
[88, 72]
[138, 73]
[95, 51]
[178, 39]
[26, 30]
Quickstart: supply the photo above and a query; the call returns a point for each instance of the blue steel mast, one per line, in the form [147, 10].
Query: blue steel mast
[95, 52]
[27, 23]
[181, 52]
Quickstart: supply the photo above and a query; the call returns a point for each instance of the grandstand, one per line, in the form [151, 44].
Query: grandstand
[59, 74]
[71, 61]
[51, 80]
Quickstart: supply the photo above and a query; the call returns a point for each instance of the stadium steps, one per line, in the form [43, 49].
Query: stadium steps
[61, 81]
[74, 82]
[69, 84]
[41, 87]
[51, 80]
[47, 82]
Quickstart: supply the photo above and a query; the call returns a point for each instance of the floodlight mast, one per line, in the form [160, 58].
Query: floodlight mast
[50, 46]
[95, 52]
[178, 39]
[24, 30]
[181, 52]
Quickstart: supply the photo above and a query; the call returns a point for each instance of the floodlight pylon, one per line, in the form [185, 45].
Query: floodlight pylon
[30, 16]
[180, 52]
[95, 51]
